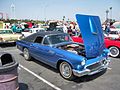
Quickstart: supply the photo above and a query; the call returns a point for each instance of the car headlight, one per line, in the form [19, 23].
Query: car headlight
[83, 62]
[106, 52]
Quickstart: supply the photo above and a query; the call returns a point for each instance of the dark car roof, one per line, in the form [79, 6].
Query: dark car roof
[32, 37]
[44, 33]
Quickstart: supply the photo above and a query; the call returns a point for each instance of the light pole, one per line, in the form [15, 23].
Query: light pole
[110, 13]
[107, 12]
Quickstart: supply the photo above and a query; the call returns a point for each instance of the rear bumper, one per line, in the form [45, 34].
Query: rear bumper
[7, 42]
[88, 71]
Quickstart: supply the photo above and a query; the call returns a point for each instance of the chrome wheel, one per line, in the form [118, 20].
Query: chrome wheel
[114, 51]
[26, 54]
[66, 71]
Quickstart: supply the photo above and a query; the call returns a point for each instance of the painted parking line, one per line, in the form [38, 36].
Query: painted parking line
[19, 68]
[40, 78]
[109, 68]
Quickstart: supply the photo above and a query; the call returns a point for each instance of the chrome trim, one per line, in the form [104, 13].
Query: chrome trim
[81, 73]
[91, 72]
[94, 62]
[101, 68]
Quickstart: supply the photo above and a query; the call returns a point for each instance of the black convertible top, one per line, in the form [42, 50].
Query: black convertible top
[32, 37]
[44, 33]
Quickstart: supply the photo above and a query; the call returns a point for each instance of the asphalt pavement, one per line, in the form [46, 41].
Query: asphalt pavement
[34, 75]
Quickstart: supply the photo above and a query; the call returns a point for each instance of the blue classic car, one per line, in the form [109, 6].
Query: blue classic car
[71, 59]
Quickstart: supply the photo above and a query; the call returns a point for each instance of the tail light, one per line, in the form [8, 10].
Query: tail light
[1, 39]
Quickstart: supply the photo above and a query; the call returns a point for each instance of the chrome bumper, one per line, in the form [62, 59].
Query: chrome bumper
[87, 71]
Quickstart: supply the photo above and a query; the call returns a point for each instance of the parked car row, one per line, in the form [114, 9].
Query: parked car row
[26, 33]
[8, 36]
[113, 33]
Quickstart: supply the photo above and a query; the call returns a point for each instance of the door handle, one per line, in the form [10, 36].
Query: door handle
[33, 46]
[51, 52]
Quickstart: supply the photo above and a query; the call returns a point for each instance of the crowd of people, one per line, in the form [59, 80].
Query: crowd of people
[68, 27]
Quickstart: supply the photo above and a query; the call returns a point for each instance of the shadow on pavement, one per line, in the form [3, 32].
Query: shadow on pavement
[45, 65]
[42, 64]
[88, 78]
[7, 45]
[23, 86]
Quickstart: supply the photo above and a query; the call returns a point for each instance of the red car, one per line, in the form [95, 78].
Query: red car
[112, 44]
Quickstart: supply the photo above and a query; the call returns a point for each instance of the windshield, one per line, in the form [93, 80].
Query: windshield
[55, 29]
[55, 39]
[6, 32]
[113, 32]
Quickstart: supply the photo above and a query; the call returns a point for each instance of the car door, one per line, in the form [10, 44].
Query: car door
[43, 52]
[92, 34]
[50, 54]
[36, 49]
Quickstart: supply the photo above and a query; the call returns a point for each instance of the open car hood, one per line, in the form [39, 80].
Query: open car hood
[92, 34]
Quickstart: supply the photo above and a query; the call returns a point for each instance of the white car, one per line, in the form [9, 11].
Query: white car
[114, 33]
[8, 36]
[31, 31]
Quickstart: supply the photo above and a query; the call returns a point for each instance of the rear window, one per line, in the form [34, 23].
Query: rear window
[30, 38]
[38, 39]
[6, 32]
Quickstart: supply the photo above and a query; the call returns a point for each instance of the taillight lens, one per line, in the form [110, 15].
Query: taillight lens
[1, 39]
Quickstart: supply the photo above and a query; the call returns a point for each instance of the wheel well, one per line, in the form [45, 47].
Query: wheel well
[23, 48]
[60, 61]
[113, 46]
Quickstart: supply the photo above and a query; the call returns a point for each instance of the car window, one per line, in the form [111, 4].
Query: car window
[55, 39]
[59, 29]
[38, 39]
[26, 30]
[46, 42]
[113, 32]
[6, 32]
[55, 29]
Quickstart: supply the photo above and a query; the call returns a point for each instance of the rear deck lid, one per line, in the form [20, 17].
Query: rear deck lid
[92, 34]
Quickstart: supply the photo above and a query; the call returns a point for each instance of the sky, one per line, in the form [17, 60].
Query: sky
[56, 9]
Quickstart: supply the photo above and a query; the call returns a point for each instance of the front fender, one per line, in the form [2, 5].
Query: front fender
[75, 64]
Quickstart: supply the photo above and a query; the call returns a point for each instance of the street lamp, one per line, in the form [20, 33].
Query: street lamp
[111, 13]
[107, 11]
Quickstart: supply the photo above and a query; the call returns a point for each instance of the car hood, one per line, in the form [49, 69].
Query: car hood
[8, 35]
[92, 34]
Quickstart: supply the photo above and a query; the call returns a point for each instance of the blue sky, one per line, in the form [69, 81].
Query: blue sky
[56, 9]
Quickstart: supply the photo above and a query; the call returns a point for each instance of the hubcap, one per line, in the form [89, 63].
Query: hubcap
[114, 51]
[65, 70]
[26, 54]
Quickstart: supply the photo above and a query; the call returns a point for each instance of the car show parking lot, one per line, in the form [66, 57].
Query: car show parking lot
[34, 75]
